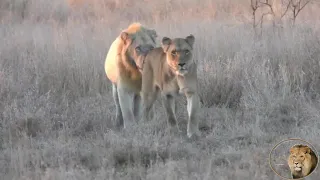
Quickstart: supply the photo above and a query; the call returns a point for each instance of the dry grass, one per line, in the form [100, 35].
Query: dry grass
[57, 112]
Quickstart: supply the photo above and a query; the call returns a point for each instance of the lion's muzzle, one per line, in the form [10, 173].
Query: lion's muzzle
[297, 166]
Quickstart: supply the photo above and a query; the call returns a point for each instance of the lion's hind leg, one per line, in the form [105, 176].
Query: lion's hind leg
[119, 118]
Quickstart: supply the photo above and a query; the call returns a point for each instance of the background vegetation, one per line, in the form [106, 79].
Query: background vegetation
[259, 82]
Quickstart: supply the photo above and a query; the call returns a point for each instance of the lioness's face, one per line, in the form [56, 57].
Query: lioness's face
[139, 44]
[297, 157]
[179, 53]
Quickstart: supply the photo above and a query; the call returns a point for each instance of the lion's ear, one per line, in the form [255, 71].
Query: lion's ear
[308, 150]
[153, 33]
[166, 43]
[190, 40]
[124, 37]
[291, 150]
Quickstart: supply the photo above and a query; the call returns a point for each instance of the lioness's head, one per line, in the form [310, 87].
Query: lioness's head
[179, 53]
[299, 159]
[138, 41]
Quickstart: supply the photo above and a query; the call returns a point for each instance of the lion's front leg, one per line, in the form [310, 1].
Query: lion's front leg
[126, 99]
[119, 118]
[193, 105]
[137, 106]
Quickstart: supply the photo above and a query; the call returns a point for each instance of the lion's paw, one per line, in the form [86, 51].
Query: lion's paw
[173, 130]
[193, 131]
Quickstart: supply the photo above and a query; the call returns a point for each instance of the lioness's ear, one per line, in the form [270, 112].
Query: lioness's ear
[166, 43]
[124, 37]
[190, 40]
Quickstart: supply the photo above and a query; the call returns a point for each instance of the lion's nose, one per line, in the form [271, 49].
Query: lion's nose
[296, 163]
[181, 64]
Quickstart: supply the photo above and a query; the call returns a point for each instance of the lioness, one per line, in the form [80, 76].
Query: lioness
[302, 161]
[123, 71]
[170, 69]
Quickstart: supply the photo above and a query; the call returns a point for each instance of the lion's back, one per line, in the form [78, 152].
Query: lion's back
[110, 64]
[156, 56]
[154, 63]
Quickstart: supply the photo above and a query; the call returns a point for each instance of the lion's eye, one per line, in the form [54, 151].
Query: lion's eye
[187, 52]
[174, 52]
[138, 48]
[301, 156]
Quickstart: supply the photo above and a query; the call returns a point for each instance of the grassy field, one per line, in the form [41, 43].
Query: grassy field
[57, 112]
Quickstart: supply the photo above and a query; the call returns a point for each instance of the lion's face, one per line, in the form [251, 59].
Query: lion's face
[139, 44]
[299, 158]
[179, 53]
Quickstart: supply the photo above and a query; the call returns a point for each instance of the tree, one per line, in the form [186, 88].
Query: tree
[296, 7]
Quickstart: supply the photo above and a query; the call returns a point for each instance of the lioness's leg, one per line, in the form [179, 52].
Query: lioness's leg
[148, 99]
[193, 104]
[119, 118]
[126, 103]
[169, 105]
[137, 106]
[148, 93]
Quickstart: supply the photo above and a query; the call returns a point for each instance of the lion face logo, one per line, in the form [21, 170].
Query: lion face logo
[179, 53]
[297, 160]
[302, 161]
